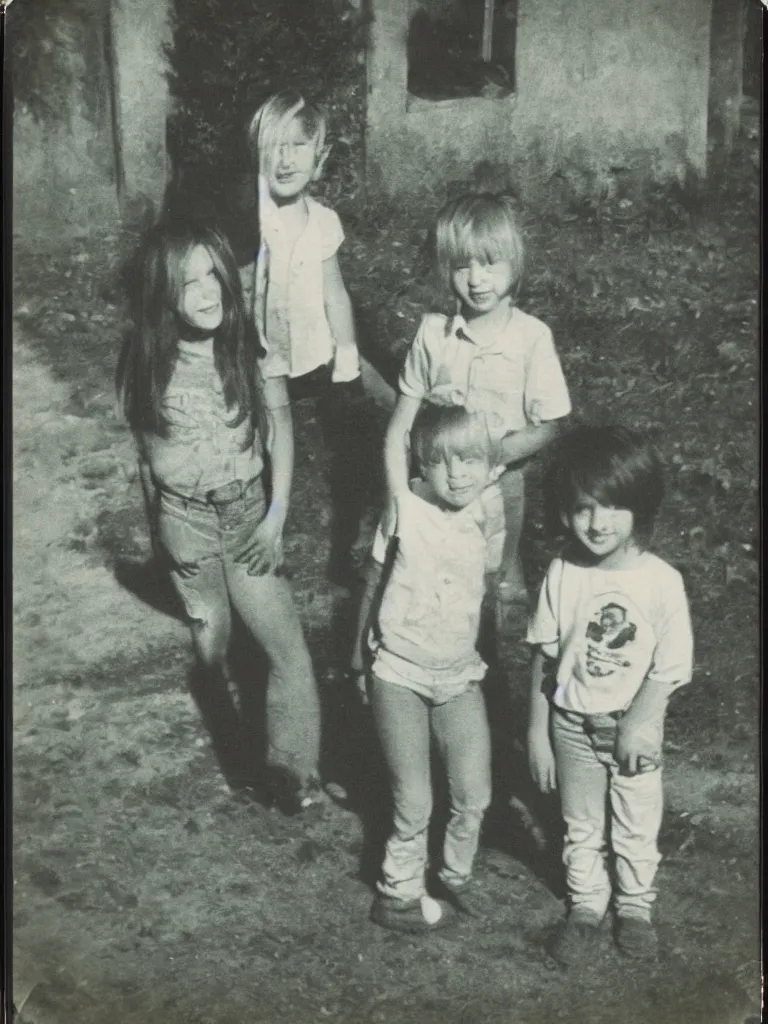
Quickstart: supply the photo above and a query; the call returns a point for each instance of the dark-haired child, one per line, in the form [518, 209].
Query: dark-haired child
[421, 633]
[612, 640]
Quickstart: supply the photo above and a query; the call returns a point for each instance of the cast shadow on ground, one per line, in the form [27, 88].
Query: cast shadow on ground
[521, 822]
[148, 579]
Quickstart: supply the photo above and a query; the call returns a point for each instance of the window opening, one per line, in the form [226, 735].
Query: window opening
[467, 49]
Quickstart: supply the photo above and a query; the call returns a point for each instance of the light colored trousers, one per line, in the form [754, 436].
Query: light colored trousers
[407, 723]
[606, 813]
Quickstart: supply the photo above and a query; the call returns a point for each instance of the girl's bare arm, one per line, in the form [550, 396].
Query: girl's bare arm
[396, 446]
[281, 448]
[338, 310]
[372, 578]
[151, 497]
[526, 442]
[541, 758]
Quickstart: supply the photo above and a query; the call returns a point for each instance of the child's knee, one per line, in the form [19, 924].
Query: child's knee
[413, 810]
[210, 635]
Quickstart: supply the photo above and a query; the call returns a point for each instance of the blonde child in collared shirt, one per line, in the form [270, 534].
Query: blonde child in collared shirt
[490, 356]
[294, 288]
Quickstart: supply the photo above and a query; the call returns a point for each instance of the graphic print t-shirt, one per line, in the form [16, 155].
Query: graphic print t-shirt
[609, 629]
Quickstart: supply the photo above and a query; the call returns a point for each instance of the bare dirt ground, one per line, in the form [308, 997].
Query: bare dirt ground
[146, 891]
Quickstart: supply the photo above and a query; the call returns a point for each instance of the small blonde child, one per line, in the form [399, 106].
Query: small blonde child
[294, 288]
[417, 635]
[612, 640]
[490, 357]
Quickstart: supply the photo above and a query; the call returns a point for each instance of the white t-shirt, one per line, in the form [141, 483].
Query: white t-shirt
[429, 615]
[515, 378]
[610, 629]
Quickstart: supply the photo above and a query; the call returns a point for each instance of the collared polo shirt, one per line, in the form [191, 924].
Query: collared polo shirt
[515, 379]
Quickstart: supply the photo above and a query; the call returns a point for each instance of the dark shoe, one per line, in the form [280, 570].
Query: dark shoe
[290, 795]
[463, 896]
[412, 916]
[576, 941]
[337, 794]
[636, 938]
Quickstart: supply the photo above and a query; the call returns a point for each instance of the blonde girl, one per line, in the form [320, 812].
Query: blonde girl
[297, 298]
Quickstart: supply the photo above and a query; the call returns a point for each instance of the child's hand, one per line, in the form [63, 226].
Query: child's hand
[541, 762]
[264, 551]
[186, 569]
[633, 751]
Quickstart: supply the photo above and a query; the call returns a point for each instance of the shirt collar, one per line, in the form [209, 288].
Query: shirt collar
[458, 327]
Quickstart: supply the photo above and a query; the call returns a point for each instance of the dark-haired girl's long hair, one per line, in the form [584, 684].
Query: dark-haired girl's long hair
[151, 348]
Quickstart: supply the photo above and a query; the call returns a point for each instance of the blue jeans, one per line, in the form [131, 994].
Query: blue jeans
[211, 534]
[406, 724]
[605, 812]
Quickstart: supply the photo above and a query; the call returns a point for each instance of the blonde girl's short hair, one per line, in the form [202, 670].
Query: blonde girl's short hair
[443, 430]
[268, 125]
[482, 226]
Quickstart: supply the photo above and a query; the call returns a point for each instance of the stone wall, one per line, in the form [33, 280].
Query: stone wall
[600, 85]
[94, 154]
[64, 170]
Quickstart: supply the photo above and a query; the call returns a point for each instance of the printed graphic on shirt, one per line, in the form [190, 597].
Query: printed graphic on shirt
[618, 642]
[606, 636]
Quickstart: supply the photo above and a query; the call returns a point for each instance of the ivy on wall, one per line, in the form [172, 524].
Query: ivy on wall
[47, 44]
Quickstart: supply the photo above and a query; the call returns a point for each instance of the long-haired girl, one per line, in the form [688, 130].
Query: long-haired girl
[206, 428]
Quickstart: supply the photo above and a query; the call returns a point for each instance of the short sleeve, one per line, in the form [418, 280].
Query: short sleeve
[493, 527]
[546, 393]
[331, 232]
[673, 656]
[543, 628]
[414, 379]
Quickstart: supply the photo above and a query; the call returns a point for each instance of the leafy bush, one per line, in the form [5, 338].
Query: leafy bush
[228, 58]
